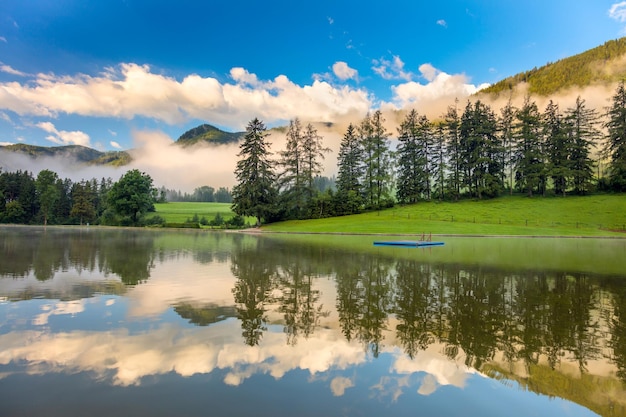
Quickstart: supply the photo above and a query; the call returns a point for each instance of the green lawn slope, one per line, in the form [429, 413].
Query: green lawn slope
[597, 215]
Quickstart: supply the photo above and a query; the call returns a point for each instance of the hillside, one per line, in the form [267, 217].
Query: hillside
[81, 154]
[208, 134]
[601, 65]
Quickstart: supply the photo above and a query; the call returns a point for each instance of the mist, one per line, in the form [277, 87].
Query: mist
[185, 169]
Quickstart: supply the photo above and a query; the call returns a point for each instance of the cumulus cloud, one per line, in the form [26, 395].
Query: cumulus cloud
[343, 71]
[442, 22]
[391, 70]
[64, 137]
[439, 86]
[130, 90]
[115, 144]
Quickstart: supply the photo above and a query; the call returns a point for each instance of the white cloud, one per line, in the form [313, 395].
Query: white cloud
[132, 90]
[5, 117]
[618, 11]
[6, 143]
[9, 70]
[442, 22]
[440, 86]
[391, 70]
[64, 137]
[343, 71]
[115, 144]
[339, 385]
[3, 39]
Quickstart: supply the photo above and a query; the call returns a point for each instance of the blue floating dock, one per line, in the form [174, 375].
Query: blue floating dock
[409, 243]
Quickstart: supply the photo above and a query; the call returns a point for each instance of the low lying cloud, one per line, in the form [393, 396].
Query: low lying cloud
[130, 90]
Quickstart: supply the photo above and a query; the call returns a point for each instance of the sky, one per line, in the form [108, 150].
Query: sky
[103, 73]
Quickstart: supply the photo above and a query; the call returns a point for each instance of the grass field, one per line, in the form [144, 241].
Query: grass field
[597, 215]
[181, 212]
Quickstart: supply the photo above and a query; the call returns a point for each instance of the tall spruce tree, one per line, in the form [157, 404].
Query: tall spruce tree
[481, 151]
[582, 127]
[558, 148]
[452, 130]
[375, 139]
[255, 193]
[292, 179]
[529, 157]
[313, 152]
[412, 161]
[438, 165]
[350, 173]
[615, 146]
[507, 117]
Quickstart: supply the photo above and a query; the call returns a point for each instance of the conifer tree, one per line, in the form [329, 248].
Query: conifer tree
[582, 127]
[292, 179]
[529, 158]
[412, 182]
[255, 193]
[350, 172]
[507, 117]
[481, 151]
[452, 126]
[615, 146]
[312, 155]
[375, 139]
[558, 148]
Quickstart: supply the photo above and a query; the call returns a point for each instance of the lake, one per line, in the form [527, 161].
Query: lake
[101, 322]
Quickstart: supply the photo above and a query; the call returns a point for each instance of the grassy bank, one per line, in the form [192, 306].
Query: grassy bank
[597, 215]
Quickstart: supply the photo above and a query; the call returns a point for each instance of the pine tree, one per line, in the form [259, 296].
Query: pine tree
[481, 151]
[438, 163]
[375, 139]
[292, 180]
[452, 126]
[312, 155]
[412, 182]
[615, 146]
[558, 147]
[529, 158]
[255, 193]
[507, 116]
[350, 173]
[582, 127]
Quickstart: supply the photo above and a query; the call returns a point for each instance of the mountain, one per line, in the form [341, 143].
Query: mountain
[208, 134]
[79, 153]
[601, 65]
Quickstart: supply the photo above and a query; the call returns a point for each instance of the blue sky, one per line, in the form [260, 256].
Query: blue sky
[97, 72]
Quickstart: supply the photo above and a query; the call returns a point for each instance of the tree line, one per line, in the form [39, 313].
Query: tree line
[468, 153]
[203, 194]
[48, 199]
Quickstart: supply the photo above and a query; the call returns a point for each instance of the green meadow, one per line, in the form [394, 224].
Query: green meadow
[596, 215]
[181, 212]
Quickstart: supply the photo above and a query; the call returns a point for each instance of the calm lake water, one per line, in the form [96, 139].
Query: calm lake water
[104, 322]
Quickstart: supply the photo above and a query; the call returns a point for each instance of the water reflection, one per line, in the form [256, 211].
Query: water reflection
[126, 305]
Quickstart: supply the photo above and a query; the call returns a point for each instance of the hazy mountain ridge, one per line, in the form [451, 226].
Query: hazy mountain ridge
[208, 134]
[81, 154]
[602, 65]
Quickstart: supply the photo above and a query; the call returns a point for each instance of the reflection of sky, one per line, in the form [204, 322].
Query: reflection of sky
[135, 340]
[128, 352]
